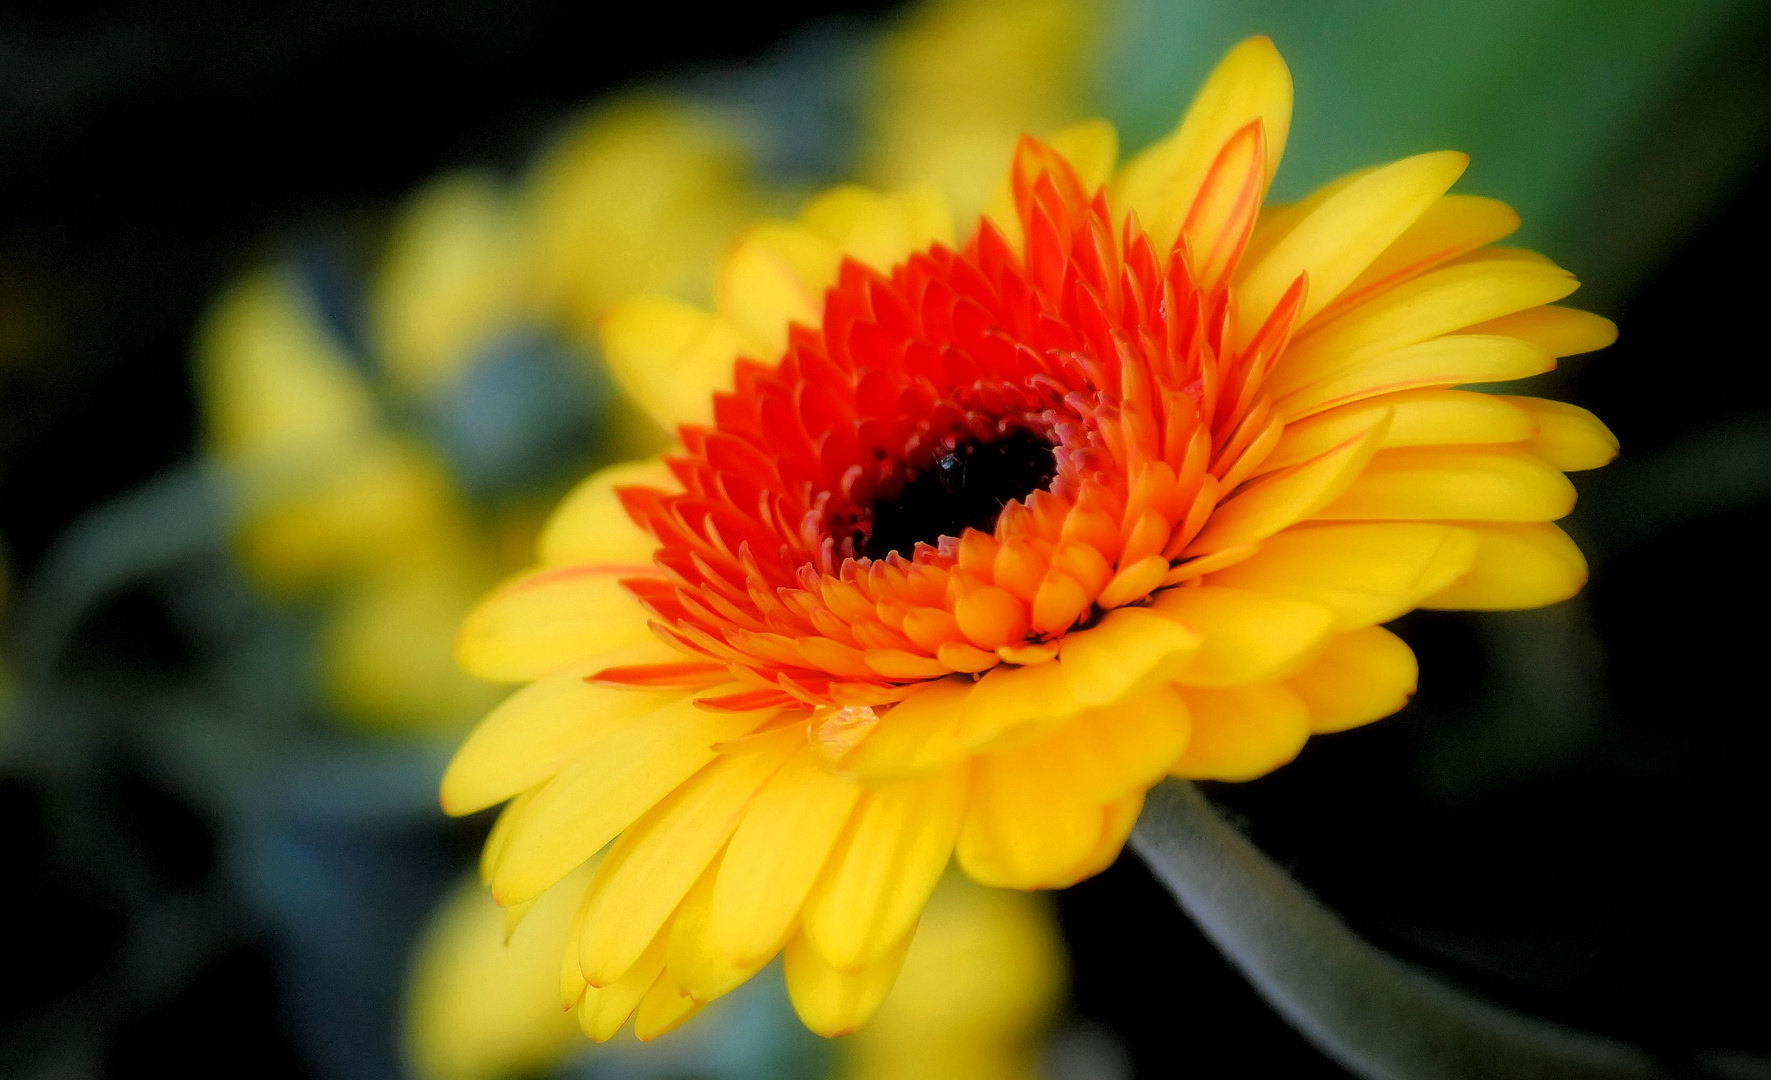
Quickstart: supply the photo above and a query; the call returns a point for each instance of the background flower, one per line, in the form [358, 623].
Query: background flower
[393, 452]
[973, 1003]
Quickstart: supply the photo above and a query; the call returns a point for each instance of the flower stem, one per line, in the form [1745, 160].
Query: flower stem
[1362, 1007]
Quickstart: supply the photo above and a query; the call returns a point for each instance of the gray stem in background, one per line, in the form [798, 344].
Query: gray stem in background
[1362, 1007]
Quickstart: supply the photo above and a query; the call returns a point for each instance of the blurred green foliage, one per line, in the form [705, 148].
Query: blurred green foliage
[1571, 111]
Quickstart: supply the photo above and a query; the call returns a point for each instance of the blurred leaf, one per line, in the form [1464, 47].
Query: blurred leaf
[1716, 471]
[1541, 696]
[1551, 99]
[521, 415]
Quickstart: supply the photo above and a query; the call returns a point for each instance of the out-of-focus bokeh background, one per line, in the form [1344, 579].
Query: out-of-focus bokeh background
[296, 350]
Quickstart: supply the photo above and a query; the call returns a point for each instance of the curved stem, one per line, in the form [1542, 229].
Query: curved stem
[1362, 1007]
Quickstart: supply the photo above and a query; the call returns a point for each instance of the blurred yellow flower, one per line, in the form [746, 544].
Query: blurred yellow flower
[345, 490]
[384, 648]
[640, 198]
[977, 994]
[326, 488]
[979, 989]
[961, 80]
[483, 998]
[450, 281]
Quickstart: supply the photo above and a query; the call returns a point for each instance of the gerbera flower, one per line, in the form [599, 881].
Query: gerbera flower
[969, 542]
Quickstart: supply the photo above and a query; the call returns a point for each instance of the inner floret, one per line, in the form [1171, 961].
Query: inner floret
[967, 458]
[967, 487]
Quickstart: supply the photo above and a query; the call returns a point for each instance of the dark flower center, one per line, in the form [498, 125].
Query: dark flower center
[967, 487]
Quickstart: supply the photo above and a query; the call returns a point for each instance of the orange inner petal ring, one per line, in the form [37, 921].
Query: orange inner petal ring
[968, 459]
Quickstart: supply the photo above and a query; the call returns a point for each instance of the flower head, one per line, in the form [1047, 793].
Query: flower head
[968, 542]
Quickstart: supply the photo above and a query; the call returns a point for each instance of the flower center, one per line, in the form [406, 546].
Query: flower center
[966, 487]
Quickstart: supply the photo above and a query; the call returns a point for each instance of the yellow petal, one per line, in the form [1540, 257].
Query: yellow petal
[1365, 573]
[1558, 331]
[515, 915]
[1363, 675]
[833, 1001]
[704, 972]
[774, 275]
[1248, 636]
[880, 230]
[1117, 819]
[1160, 184]
[1020, 836]
[665, 1007]
[1453, 298]
[1448, 484]
[572, 984]
[1016, 702]
[1429, 417]
[493, 849]
[589, 802]
[1133, 582]
[1278, 219]
[602, 1010]
[1517, 566]
[590, 525]
[1501, 254]
[833, 212]
[927, 220]
[1092, 149]
[1242, 732]
[1266, 505]
[1130, 648]
[671, 357]
[1454, 225]
[1568, 436]
[1035, 816]
[448, 281]
[651, 868]
[535, 733]
[1445, 361]
[1123, 748]
[1343, 236]
[884, 867]
[1222, 216]
[919, 733]
[775, 857]
[540, 622]
[692, 967]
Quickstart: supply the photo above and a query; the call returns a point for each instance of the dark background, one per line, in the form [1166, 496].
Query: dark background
[1569, 818]
[149, 153]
